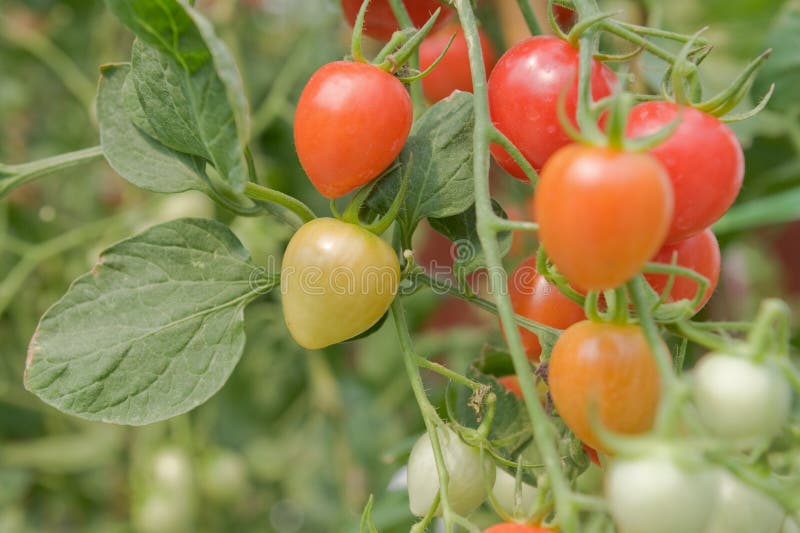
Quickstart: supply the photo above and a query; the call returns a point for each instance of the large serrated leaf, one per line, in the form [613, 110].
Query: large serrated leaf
[462, 229]
[135, 156]
[187, 84]
[438, 158]
[151, 332]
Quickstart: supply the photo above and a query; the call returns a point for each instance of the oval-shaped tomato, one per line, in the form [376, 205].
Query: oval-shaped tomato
[655, 495]
[509, 527]
[602, 213]
[380, 22]
[741, 508]
[337, 280]
[351, 121]
[703, 158]
[524, 90]
[700, 253]
[453, 72]
[514, 502]
[533, 297]
[467, 486]
[739, 400]
[605, 370]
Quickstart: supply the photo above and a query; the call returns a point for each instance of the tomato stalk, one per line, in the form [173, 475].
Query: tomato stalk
[542, 427]
[12, 176]
[529, 16]
[265, 194]
[417, 98]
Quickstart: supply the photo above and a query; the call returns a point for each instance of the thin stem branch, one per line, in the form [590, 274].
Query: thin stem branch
[446, 372]
[417, 98]
[27, 172]
[265, 194]
[529, 16]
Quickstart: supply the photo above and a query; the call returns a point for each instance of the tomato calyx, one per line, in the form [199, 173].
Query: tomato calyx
[398, 50]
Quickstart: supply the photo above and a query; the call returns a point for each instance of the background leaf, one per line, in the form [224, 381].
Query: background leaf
[154, 330]
[135, 156]
[439, 152]
[783, 66]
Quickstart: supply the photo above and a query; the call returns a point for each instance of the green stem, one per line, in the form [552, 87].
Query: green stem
[516, 155]
[446, 372]
[542, 428]
[638, 294]
[689, 330]
[417, 98]
[27, 172]
[529, 16]
[264, 194]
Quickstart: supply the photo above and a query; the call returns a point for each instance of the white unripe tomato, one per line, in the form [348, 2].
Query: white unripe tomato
[512, 502]
[741, 508]
[467, 487]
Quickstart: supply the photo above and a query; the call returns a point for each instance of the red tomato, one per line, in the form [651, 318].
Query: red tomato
[592, 453]
[352, 120]
[524, 89]
[565, 17]
[453, 72]
[533, 297]
[700, 253]
[607, 369]
[380, 22]
[511, 382]
[602, 213]
[509, 527]
[704, 161]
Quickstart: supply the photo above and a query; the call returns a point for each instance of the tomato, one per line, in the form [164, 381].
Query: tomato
[467, 486]
[223, 477]
[790, 526]
[453, 72]
[703, 158]
[565, 17]
[524, 90]
[602, 213]
[654, 494]
[607, 369]
[351, 122]
[513, 502]
[592, 453]
[700, 253]
[380, 22]
[741, 508]
[509, 527]
[738, 400]
[337, 280]
[535, 298]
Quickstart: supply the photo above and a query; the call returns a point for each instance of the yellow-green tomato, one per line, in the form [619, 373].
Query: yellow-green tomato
[515, 501]
[468, 484]
[337, 280]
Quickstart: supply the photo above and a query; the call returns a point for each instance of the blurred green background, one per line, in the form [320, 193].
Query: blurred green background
[296, 441]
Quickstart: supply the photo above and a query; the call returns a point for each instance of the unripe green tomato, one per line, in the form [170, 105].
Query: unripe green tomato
[741, 508]
[337, 280]
[467, 487]
[512, 502]
[223, 477]
[655, 495]
[740, 400]
[160, 512]
[171, 470]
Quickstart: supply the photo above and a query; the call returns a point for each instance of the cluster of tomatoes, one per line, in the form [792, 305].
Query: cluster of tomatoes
[604, 212]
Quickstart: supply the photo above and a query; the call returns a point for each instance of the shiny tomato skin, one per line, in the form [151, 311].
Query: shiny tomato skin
[607, 369]
[453, 72]
[703, 158]
[535, 298]
[351, 122]
[509, 527]
[337, 280]
[602, 213]
[700, 252]
[524, 89]
[380, 22]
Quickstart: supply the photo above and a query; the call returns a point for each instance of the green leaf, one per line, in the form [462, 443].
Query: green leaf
[439, 151]
[462, 229]
[783, 67]
[154, 330]
[775, 209]
[511, 431]
[187, 83]
[135, 156]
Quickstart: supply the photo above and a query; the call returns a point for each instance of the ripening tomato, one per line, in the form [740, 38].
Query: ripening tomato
[509, 527]
[468, 482]
[524, 90]
[656, 494]
[703, 158]
[739, 400]
[337, 280]
[380, 22]
[351, 121]
[607, 369]
[700, 253]
[533, 297]
[602, 213]
[453, 72]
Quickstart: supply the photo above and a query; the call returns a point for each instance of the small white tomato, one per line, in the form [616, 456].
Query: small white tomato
[467, 487]
[740, 400]
[512, 502]
[741, 508]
